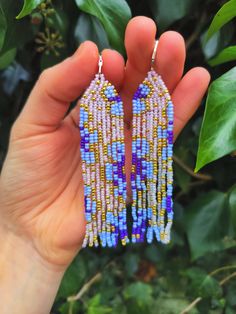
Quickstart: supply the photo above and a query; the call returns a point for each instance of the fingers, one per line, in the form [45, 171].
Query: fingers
[169, 62]
[170, 58]
[113, 70]
[57, 87]
[139, 42]
[113, 67]
[188, 95]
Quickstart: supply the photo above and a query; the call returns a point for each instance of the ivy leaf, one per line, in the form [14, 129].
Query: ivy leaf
[88, 27]
[167, 12]
[114, 16]
[232, 207]
[203, 223]
[139, 291]
[226, 13]
[28, 7]
[210, 287]
[73, 279]
[218, 132]
[95, 306]
[17, 32]
[7, 58]
[226, 55]
[70, 307]
[3, 26]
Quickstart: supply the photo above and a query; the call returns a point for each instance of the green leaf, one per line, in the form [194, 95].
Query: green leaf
[232, 207]
[17, 32]
[139, 291]
[3, 26]
[114, 16]
[226, 55]
[167, 12]
[73, 279]
[95, 306]
[28, 7]
[203, 223]
[69, 308]
[172, 305]
[218, 132]
[7, 58]
[226, 13]
[210, 287]
[88, 27]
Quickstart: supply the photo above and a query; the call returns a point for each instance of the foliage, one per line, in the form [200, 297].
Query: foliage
[199, 265]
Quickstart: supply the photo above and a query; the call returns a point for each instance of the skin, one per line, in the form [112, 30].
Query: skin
[41, 188]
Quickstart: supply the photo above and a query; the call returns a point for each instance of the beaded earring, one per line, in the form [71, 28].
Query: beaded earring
[152, 151]
[103, 163]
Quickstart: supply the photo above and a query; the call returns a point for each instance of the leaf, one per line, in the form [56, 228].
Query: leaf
[114, 16]
[95, 306]
[203, 223]
[73, 279]
[139, 291]
[7, 58]
[88, 27]
[218, 131]
[226, 55]
[69, 308]
[167, 12]
[210, 287]
[232, 207]
[3, 26]
[17, 32]
[226, 13]
[172, 305]
[28, 7]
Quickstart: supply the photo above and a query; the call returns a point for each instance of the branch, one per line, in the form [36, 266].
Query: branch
[196, 34]
[197, 300]
[85, 288]
[186, 168]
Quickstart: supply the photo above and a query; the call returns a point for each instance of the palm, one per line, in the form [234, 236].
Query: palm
[43, 163]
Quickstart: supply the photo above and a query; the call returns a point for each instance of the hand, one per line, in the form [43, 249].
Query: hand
[41, 188]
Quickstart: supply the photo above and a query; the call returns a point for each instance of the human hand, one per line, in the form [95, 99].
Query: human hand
[41, 187]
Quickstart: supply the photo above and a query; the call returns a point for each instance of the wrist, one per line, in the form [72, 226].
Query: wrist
[28, 284]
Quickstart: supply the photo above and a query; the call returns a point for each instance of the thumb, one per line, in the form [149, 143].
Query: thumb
[55, 89]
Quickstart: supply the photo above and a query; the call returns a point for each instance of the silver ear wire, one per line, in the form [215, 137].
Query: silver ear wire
[154, 53]
[100, 64]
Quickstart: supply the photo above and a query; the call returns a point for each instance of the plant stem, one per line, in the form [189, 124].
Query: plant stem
[85, 288]
[187, 169]
[221, 283]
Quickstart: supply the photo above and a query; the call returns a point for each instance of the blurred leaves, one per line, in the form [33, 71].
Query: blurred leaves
[166, 12]
[3, 26]
[114, 15]
[218, 132]
[29, 6]
[7, 58]
[88, 27]
[202, 217]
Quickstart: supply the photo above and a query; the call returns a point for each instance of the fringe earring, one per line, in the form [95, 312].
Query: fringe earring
[103, 163]
[152, 151]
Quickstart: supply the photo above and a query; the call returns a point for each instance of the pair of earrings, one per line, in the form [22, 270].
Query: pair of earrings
[102, 148]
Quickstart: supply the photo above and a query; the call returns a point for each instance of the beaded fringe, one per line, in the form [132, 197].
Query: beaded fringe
[103, 163]
[152, 153]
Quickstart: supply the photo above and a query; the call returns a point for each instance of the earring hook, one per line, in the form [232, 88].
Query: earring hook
[154, 53]
[100, 64]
